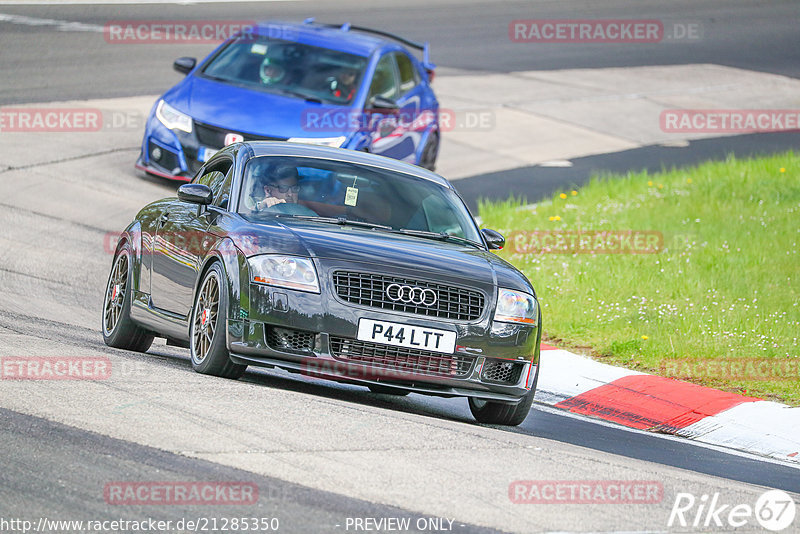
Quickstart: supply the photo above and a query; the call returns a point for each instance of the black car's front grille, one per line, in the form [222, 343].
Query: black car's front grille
[401, 360]
[380, 291]
[289, 340]
[500, 371]
[214, 137]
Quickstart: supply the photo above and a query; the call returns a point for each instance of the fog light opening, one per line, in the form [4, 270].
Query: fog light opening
[502, 371]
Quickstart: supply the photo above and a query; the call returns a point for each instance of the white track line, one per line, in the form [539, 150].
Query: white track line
[60, 25]
[719, 448]
[128, 2]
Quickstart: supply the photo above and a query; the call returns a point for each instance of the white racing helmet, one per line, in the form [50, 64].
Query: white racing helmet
[271, 71]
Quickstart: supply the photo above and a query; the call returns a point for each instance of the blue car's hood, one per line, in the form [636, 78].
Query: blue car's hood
[245, 110]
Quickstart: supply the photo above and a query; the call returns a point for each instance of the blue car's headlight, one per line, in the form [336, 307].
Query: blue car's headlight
[515, 307]
[284, 271]
[172, 118]
[335, 142]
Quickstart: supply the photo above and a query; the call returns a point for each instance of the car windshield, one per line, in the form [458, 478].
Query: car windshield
[288, 68]
[339, 192]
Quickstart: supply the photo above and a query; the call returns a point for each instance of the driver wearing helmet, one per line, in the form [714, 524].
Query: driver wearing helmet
[343, 85]
[271, 71]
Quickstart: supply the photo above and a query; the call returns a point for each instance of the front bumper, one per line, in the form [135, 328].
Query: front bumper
[161, 172]
[162, 152]
[178, 155]
[252, 350]
[316, 335]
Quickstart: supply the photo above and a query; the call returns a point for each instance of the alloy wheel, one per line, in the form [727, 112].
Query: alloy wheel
[205, 317]
[115, 294]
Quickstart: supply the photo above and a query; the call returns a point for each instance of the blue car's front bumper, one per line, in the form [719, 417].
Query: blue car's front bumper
[178, 155]
[164, 153]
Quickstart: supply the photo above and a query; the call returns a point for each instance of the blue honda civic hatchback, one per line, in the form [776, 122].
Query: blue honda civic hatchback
[333, 85]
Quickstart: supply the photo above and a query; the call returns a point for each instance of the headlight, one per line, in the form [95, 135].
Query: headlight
[515, 307]
[284, 271]
[172, 118]
[335, 142]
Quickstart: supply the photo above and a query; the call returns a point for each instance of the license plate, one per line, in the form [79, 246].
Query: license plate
[405, 335]
[204, 153]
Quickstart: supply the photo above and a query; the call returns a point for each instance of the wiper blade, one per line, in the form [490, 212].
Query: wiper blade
[441, 236]
[343, 221]
[297, 94]
[279, 90]
[216, 78]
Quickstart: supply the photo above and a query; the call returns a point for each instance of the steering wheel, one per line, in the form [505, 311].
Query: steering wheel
[290, 209]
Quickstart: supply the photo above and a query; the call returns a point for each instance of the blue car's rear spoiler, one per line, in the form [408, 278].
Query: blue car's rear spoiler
[425, 47]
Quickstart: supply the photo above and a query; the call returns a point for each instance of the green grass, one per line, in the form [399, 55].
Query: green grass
[722, 291]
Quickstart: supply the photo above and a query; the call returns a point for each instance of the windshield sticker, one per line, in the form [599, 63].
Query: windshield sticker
[351, 197]
[258, 48]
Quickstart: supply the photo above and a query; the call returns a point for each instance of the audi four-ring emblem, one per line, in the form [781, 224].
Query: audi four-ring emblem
[411, 295]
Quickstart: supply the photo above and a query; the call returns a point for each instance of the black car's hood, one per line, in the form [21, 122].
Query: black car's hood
[384, 251]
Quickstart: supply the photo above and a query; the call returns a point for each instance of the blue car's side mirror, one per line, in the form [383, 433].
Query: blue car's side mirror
[184, 65]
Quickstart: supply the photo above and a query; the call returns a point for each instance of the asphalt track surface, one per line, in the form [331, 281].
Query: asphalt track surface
[466, 35]
[36, 448]
[53, 469]
[535, 183]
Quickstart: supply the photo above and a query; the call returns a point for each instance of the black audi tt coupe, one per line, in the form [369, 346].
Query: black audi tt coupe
[333, 263]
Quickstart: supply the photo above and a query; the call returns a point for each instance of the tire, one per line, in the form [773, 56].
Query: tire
[119, 331]
[209, 354]
[388, 390]
[503, 413]
[431, 151]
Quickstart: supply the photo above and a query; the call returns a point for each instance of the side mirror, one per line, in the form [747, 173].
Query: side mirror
[494, 240]
[184, 65]
[195, 194]
[382, 104]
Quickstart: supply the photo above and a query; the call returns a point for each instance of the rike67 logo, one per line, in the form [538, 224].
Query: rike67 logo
[774, 511]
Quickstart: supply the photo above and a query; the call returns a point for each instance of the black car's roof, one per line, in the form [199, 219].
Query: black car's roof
[282, 148]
